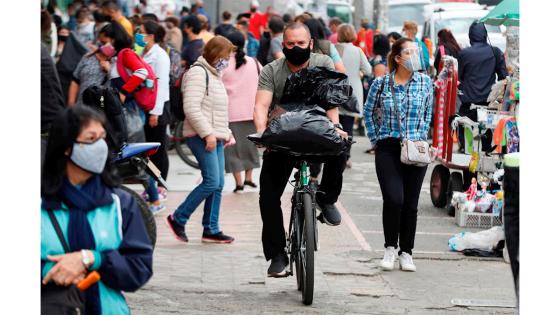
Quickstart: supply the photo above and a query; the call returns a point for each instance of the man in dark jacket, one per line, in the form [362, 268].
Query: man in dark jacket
[52, 100]
[478, 67]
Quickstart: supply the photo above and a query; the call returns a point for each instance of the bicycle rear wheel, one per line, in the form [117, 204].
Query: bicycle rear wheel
[307, 250]
[182, 148]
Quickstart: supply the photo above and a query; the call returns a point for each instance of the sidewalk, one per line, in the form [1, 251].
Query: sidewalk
[198, 278]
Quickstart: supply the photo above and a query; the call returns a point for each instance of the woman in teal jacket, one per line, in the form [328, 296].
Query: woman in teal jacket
[101, 223]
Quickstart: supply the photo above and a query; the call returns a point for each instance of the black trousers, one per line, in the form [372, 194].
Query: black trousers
[511, 220]
[275, 173]
[400, 186]
[347, 123]
[159, 134]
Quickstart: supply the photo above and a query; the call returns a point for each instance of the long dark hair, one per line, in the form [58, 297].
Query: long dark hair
[448, 41]
[153, 28]
[317, 34]
[120, 37]
[395, 51]
[64, 131]
[237, 39]
[381, 45]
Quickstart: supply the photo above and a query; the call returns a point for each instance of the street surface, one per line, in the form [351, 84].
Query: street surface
[198, 278]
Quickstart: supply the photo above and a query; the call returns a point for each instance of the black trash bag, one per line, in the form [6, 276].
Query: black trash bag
[352, 105]
[317, 86]
[71, 55]
[306, 131]
[107, 100]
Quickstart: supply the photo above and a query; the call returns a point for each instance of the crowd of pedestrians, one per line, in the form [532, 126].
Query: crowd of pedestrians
[229, 78]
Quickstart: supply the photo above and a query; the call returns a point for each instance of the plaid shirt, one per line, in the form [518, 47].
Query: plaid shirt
[414, 100]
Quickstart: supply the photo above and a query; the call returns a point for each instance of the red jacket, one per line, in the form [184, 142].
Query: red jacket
[139, 72]
[364, 40]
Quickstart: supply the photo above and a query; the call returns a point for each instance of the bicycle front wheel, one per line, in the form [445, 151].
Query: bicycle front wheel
[307, 250]
[182, 148]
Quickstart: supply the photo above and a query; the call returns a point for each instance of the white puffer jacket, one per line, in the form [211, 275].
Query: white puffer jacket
[205, 114]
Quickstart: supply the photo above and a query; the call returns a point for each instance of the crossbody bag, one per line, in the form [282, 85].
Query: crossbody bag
[413, 152]
[57, 299]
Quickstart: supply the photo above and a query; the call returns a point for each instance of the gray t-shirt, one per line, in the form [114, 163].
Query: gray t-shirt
[273, 76]
[275, 47]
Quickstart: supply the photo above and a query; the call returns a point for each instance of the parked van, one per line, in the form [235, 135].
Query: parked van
[458, 17]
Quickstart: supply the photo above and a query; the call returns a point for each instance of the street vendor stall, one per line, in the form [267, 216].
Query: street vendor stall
[469, 183]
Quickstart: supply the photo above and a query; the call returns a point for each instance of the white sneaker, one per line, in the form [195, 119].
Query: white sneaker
[405, 260]
[388, 261]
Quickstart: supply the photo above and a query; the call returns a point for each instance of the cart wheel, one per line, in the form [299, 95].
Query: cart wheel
[455, 184]
[438, 185]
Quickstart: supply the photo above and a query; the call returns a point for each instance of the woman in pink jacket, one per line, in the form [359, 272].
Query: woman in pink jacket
[240, 79]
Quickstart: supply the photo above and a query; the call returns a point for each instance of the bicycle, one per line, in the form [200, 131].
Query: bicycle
[302, 237]
[179, 143]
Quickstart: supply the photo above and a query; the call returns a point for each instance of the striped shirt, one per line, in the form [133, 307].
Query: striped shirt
[415, 100]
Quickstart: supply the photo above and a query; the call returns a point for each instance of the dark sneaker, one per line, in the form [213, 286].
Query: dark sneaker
[278, 266]
[329, 214]
[238, 188]
[219, 238]
[177, 229]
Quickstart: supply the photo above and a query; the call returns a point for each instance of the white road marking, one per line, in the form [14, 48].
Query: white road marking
[353, 228]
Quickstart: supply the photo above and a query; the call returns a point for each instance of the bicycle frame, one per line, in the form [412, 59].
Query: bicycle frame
[301, 179]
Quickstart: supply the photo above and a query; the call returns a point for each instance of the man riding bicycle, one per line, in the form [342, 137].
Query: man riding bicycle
[277, 166]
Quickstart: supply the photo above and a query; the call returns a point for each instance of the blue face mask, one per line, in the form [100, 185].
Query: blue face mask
[140, 39]
[90, 157]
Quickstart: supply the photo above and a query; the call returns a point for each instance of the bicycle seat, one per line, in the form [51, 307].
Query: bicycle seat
[132, 149]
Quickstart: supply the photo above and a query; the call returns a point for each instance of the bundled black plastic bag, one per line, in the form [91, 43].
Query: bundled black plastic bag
[306, 131]
[318, 86]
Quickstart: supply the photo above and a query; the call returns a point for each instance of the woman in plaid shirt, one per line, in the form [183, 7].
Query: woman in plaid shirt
[400, 183]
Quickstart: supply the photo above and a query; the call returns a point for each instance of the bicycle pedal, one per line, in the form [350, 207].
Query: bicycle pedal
[320, 218]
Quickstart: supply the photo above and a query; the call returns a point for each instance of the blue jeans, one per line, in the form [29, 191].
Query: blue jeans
[210, 190]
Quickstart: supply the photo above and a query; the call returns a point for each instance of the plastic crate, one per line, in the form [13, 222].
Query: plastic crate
[477, 219]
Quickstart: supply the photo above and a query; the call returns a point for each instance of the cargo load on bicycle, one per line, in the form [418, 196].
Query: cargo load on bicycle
[299, 124]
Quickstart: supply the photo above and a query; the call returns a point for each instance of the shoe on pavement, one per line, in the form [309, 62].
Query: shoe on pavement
[177, 229]
[249, 183]
[238, 188]
[388, 261]
[329, 214]
[278, 266]
[155, 209]
[219, 238]
[405, 260]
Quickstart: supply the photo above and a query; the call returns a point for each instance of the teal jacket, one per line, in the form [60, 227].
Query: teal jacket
[123, 255]
[424, 54]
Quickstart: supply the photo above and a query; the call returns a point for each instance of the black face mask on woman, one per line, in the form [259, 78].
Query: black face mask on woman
[297, 55]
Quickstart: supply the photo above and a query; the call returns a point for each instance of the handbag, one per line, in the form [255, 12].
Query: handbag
[413, 152]
[57, 299]
[134, 124]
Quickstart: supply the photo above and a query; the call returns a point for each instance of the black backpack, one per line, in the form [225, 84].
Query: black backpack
[176, 96]
[106, 99]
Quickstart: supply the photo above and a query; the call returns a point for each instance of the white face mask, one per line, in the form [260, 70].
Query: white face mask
[413, 62]
[222, 64]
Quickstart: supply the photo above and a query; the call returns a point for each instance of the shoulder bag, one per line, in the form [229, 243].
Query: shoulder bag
[413, 152]
[57, 299]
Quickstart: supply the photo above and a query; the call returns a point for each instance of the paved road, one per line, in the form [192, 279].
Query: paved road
[197, 278]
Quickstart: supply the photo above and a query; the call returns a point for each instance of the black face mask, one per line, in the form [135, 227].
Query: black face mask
[253, 10]
[62, 38]
[297, 55]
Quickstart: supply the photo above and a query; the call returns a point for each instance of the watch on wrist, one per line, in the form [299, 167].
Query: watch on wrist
[85, 258]
[339, 126]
